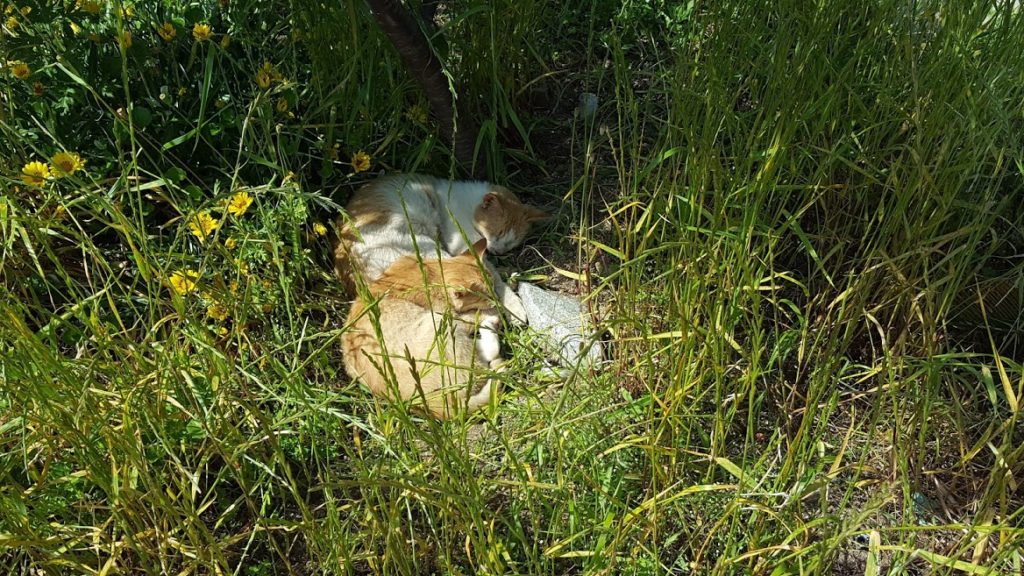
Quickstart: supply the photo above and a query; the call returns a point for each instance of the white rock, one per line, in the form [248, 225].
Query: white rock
[588, 104]
[563, 323]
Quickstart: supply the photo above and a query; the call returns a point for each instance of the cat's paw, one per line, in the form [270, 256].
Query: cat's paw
[514, 309]
[490, 321]
[488, 345]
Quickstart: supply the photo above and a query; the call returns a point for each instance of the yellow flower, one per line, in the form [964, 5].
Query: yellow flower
[239, 203]
[12, 23]
[225, 42]
[217, 311]
[124, 39]
[282, 105]
[319, 229]
[203, 225]
[360, 162]
[167, 31]
[19, 69]
[202, 32]
[35, 173]
[233, 287]
[230, 243]
[8, 9]
[127, 12]
[184, 281]
[265, 75]
[66, 163]
[262, 79]
[75, 28]
[25, 10]
[90, 6]
[417, 114]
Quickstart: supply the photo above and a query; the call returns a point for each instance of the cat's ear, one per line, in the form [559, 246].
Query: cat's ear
[479, 248]
[535, 214]
[490, 201]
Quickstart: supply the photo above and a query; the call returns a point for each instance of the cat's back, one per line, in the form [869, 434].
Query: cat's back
[384, 217]
[393, 199]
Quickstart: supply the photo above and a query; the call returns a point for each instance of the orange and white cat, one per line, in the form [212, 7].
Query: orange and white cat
[403, 214]
[424, 332]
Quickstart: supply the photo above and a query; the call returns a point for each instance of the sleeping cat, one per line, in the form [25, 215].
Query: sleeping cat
[406, 346]
[404, 214]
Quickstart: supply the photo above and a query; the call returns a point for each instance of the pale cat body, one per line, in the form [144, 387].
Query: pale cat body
[436, 358]
[403, 214]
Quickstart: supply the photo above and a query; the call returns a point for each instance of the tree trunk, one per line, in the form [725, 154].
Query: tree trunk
[405, 34]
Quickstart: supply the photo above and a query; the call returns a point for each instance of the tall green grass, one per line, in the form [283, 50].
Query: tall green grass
[799, 223]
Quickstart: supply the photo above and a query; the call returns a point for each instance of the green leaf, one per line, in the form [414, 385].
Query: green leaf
[142, 116]
[174, 175]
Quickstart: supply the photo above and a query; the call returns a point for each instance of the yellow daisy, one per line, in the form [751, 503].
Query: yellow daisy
[230, 243]
[75, 28]
[282, 106]
[12, 23]
[127, 12]
[19, 69]
[202, 32]
[66, 163]
[35, 173]
[319, 229]
[239, 203]
[184, 281]
[90, 6]
[263, 79]
[203, 225]
[167, 31]
[417, 114]
[265, 75]
[217, 311]
[360, 162]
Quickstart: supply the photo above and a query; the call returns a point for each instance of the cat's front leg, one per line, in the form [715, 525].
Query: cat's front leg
[488, 344]
[507, 297]
[510, 301]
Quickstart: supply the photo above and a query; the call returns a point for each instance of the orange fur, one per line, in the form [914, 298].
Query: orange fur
[377, 229]
[421, 355]
[501, 213]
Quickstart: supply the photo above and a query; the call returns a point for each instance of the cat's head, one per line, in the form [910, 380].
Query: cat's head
[503, 220]
[465, 280]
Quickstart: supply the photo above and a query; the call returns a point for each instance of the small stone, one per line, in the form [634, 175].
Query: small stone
[562, 322]
[588, 104]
